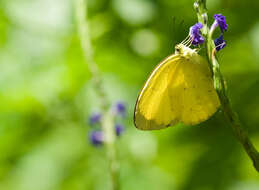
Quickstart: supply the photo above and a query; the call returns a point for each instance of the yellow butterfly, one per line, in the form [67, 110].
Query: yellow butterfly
[179, 90]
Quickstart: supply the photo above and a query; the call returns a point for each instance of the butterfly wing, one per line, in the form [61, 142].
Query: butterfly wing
[193, 98]
[180, 89]
[153, 110]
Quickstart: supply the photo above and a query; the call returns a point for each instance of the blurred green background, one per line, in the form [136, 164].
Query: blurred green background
[46, 96]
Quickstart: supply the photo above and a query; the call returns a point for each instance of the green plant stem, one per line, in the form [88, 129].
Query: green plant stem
[108, 118]
[108, 128]
[219, 84]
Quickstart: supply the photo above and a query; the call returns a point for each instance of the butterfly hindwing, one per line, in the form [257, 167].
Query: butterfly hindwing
[192, 94]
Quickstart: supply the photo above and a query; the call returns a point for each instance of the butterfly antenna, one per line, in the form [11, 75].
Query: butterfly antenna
[185, 40]
[189, 42]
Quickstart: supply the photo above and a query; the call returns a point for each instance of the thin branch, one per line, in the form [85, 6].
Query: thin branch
[84, 32]
[108, 118]
[219, 84]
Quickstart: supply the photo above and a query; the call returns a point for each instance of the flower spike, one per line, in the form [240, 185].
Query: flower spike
[96, 138]
[195, 34]
[220, 21]
[119, 129]
[220, 43]
[95, 118]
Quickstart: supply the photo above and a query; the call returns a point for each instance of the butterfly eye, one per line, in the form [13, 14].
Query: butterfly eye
[177, 50]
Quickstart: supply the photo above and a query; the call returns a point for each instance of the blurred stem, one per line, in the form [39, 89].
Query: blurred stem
[108, 118]
[219, 84]
[84, 32]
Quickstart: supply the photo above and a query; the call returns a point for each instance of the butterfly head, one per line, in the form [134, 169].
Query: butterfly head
[181, 49]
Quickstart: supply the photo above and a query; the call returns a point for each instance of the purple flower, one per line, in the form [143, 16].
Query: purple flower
[220, 43]
[120, 108]
[95, 118]
[195, 34]
[96, 137]
[221, 21]
[119, 129]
